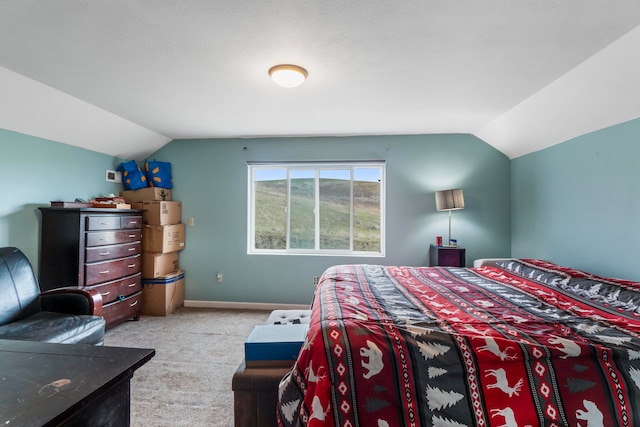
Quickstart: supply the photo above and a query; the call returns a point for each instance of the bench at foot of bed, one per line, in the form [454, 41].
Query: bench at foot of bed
[255, 395]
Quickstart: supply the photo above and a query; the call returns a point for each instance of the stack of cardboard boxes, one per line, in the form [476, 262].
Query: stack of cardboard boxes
[163, 237]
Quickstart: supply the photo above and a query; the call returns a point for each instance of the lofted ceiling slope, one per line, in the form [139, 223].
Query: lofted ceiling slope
[125, 77]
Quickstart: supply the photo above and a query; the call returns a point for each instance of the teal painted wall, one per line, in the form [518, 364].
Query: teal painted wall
[578, 203]
[210, 179]
[575, 203]
[35, 171]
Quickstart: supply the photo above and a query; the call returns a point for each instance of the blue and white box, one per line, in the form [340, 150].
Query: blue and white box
[274, 345]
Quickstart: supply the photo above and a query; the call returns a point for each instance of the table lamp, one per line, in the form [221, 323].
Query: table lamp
[449, 200]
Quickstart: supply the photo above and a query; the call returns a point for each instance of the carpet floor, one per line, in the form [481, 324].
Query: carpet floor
[188, 382]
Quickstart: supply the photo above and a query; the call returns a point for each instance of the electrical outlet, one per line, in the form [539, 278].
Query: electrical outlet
[316, 279]
[191, 221]
[219, 277]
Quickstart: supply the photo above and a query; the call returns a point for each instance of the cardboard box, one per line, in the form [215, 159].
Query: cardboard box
[149, 193]
[274, 345]
[157, 212]
[163, 238]
[156, 265]
[163, 295]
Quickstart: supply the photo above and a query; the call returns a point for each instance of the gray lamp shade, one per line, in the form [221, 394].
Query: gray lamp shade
[449, 200]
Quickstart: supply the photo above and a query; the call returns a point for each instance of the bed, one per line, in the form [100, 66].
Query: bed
[521, 343]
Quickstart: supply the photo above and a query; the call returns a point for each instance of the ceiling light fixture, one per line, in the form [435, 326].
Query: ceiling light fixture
[287, 75]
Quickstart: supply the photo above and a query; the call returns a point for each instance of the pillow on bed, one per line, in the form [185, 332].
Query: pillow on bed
[629, 284]
[559, 269]
[534, 271]
[611, 293]
[575, 273]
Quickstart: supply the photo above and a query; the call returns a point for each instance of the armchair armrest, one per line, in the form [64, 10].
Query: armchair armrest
[72, 301]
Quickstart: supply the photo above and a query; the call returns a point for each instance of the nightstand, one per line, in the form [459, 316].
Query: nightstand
[446, 256]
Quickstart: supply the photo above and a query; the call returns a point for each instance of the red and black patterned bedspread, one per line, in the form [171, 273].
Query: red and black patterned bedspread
[524, 345]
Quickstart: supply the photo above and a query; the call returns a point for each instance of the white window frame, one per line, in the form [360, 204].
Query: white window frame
[332, 165]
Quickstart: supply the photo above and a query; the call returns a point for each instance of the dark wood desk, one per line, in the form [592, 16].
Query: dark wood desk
[44, 384]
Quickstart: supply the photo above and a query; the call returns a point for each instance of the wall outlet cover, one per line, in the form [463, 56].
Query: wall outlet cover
[113, 176]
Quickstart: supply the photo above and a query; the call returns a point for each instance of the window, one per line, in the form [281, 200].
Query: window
[316, 208]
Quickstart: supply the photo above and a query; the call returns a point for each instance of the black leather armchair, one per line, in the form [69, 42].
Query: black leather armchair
[65, 315]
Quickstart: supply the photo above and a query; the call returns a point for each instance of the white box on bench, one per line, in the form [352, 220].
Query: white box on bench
[274, 345]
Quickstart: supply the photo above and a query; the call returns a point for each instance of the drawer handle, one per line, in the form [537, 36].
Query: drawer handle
[104, 294]
[104, 239]
[131, 249]
[104, 272]
[131, 265]
[132, 285]
[133, 222]
[104, 223]
[132, 235]
[104, 253]
[133, 303]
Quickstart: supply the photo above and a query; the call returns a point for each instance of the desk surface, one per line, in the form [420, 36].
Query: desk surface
[42, 383]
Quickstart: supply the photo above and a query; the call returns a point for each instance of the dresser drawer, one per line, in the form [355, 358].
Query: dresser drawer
[119, 311]
[102, 238]
[104, 253]
[131, 221]
[446, 256]
[450, 258]
[101, 272]
[103, 222]
[118, 289]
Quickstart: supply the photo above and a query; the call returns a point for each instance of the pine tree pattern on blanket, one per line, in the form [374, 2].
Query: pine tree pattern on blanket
[443, 346]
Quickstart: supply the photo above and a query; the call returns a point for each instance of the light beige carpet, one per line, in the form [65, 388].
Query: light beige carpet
[188, 382]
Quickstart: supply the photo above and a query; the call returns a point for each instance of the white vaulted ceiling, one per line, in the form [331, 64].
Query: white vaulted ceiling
[124, 77]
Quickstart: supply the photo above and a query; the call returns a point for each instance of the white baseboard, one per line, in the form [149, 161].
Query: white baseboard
[244, 305]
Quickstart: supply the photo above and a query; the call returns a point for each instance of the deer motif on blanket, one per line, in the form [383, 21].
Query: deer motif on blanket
[502, 382]
[492, 346]
[508, 414]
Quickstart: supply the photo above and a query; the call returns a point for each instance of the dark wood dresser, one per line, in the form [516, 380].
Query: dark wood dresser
[94, 248]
